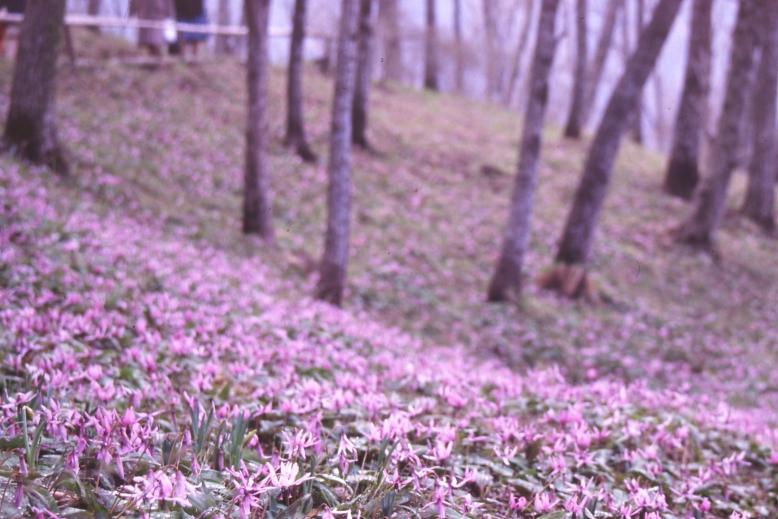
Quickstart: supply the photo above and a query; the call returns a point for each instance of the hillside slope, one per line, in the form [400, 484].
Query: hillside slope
[135, 269]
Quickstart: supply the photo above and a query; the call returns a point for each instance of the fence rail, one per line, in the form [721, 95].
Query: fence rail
[85, 20]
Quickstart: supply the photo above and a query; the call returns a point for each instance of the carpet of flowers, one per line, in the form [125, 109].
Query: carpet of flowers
[146, 373]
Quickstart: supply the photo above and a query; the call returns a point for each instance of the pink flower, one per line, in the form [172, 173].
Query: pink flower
[544, 502]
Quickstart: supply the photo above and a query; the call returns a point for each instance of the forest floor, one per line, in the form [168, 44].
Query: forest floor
[165, 145]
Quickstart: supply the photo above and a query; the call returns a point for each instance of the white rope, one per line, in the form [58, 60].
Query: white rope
[86, 20]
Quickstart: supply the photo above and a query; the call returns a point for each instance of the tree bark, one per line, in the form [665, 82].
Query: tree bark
[683, 167]
[31, 129]
[700, 228]
[332, 270]
[576, 242]
[601, 54]
[459, 50]
[389, 17]
[93, 9]
[759, 202]
[574, 119]
[257, 214]
[490, 39]
[506, 281]
[431, 50]
[518, 55]
[223, 42]
[359, 111]
[636, 131]
[295, 125]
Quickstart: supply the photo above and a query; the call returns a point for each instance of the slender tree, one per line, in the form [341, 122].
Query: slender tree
[575, 245]
[431, 49]
[683, 167]
[700, 228]
[518, 55]
[601, 54]
[574, 119]
[359, 111]
[31, 128]
[93, 9]
[759, 203]
[490, 39]
[332, 270]
[223, 42]
[506, 281]
[389, 21]
[257, 215]
[459, 49]
[636, 132]
[295, 126]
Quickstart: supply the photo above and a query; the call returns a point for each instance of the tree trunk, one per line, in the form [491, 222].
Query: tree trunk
[93, 9]
[506, 281]
[573, 126]
[223, 42]
[332, 273]
[295, 126]
[760, 195]
[490, 39]
[701, 227]
[459, 50]
[431, 50]
[576, 242]
[518, 55]
[31, 129]
[601, 54]
[389, 18]
[636, 131]
[359, 109]
[683, 168]
[257, 214]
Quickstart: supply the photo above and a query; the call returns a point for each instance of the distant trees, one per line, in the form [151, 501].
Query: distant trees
[683, 167]
[332, 269]
[257, 214]
[759, 202]
[431, 49]
[700, 228]
[575, 245]
[506, 280]
[518, 55]
[575, 117]
[389, 20]
[359, 111]
[31, 129]
[601, 54]
[459, 48]
[489, 10]
[295, 125]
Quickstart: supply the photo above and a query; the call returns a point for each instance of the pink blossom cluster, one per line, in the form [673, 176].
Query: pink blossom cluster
[143, 372]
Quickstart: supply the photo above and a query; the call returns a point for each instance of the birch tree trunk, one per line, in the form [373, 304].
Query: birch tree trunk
[459, 50]
[389, 19]
[431, 49]
[575, 245]
[759, 203]
[257, 214]
[700, 228]
[359, 112]
[574, 119]
[332, 270]
[506, 281]
[295, 121]
[518, 55]
[683, 167]
[601, 54]
[31, 128]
